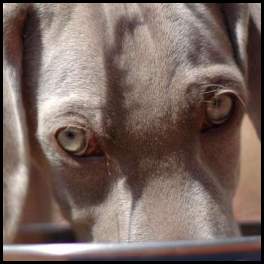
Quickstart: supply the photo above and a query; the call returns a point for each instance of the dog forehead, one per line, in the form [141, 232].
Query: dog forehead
[147, 38]
[127, 58]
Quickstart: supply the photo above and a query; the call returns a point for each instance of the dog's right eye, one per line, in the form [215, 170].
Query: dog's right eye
[78, 141]
[72, 140]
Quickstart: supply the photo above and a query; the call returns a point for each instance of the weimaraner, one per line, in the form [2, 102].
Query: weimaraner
[132, 112]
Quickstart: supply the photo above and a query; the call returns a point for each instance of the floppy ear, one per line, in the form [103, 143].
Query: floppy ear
[254, 65]
[15, 147]
[244, 27]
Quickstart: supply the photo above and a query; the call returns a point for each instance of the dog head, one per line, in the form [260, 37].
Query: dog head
[132, 111]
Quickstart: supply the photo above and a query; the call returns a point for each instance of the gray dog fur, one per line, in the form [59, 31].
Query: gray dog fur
[133, 74]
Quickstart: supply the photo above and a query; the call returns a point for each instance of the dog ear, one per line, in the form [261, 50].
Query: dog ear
[15, 147]
[254, 65]
[244, 27]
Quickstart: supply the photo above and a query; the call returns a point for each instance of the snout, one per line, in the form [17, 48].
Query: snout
[189, 212]
[165, 209]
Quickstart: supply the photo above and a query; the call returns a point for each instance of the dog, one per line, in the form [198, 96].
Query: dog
[131, 112]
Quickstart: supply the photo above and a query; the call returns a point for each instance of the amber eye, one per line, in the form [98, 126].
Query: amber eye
[73, 140]
[219, 108]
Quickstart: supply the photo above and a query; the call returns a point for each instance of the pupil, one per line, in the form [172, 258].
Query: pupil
[217, 103]
[70, 135]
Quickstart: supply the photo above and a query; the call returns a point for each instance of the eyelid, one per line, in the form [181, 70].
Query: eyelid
[221, 89]
[232, 92]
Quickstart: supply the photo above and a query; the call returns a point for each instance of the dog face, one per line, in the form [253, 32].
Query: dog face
[134, 113]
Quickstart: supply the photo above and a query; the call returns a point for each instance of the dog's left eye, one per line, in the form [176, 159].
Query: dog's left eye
[219, 108]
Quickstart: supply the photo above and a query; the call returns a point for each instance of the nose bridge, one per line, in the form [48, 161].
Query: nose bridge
[170, 209]
[169, 202]
[162, 200]
[154, 126]
[132, 177]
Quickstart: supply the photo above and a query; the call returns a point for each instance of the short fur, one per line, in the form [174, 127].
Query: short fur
[134, 74]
